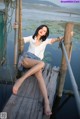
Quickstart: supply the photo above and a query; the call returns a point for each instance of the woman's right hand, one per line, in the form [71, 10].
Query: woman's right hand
[15, 25]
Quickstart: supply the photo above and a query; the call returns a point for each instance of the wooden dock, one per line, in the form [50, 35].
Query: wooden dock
[28, 103]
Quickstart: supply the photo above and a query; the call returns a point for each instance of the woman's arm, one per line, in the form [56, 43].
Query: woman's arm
[53, 40]
[27, 39]
[59, 38]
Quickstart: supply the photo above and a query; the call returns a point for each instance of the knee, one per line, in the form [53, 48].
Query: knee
[42, 64]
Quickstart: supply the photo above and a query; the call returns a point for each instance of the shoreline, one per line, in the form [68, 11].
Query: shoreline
[39, 14]
[50, 8]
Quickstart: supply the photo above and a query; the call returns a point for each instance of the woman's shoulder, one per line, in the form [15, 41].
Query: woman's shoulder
[27, 38]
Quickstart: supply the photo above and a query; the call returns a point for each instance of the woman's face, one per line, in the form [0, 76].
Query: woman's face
[43, 31]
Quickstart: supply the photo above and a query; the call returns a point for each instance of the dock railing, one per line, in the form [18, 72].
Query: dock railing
[66, 47]
[72, 79]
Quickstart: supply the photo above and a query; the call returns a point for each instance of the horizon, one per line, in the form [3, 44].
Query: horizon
[62, 3]
[65, 3]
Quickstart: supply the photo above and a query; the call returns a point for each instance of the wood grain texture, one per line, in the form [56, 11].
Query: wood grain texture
[28, 103]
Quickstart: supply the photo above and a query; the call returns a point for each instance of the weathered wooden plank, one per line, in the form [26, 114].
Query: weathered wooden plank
[13, 106]
[36, 108]
[51, 87]
[46, 76]
[25, 111]
[30, 90]
[28, 103]
[21, 91]
[40, 115]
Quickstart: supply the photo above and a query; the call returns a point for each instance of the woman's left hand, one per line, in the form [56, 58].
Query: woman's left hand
[61, 38]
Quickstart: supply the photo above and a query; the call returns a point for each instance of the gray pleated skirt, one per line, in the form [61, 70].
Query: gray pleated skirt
[26, 55]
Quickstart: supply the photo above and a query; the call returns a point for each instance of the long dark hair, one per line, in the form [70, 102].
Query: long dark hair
[43, 38]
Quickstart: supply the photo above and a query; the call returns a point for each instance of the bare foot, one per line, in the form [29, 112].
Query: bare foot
[16, 87]
[47, 110]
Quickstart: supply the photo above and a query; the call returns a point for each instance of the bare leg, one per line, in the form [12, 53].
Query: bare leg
[43, 89]
[35, 66]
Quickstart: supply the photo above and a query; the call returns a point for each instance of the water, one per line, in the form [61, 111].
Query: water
[33, 17]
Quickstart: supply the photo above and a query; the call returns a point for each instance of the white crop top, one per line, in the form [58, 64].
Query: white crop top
[37, 50]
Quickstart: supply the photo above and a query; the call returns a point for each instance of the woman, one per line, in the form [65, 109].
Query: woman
[32, 59]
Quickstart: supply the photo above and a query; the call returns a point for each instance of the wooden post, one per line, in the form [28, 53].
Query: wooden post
[5, 27]
[68, 47]
[20, 40]
[16, 34]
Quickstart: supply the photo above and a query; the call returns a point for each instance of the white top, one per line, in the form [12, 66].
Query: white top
[37, 50]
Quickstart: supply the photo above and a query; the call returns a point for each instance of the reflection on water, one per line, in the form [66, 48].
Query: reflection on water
[5, 93]
[31, 19]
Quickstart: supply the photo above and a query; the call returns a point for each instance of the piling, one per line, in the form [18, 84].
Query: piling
[68, 47]
[20, 39]
[16, 34]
